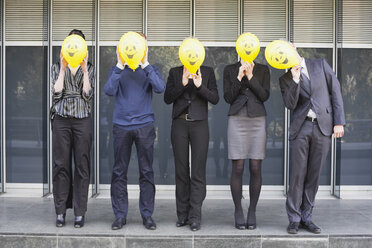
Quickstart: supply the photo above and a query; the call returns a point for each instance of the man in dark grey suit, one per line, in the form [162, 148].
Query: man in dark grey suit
[312, 91]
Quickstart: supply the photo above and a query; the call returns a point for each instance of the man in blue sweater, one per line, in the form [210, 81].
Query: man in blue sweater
[133, 122]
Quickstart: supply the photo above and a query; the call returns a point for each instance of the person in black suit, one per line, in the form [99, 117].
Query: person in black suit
[246, 88]
[190, 95]
[313, 94]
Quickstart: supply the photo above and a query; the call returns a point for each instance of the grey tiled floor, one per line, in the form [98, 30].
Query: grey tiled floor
[36, 216]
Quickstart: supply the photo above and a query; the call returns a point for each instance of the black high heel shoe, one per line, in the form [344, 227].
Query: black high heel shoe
[60, 220]
[240, 226]
[79, 221]
[251, 218]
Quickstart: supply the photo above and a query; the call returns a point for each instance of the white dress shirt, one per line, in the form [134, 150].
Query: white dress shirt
[304, 70]
[121, 67]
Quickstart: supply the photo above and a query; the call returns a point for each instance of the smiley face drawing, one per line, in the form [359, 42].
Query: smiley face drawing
[130, 50]
[192, 56]
[247, 46]
[71, 49]
[279, 56]
[74, 49]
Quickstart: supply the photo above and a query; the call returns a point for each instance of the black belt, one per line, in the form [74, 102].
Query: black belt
[185, 117]
[308, 118]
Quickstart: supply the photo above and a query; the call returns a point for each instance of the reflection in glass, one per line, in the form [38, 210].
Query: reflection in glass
[272, 165]
[25, 114]
[356, 147]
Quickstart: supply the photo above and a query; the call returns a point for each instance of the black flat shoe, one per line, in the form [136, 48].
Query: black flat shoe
[240, 226]
[60, 220]
[310, 226]
[251, 226]
[149, 223]
[180, 223]
[118, 223]
[293, 227]
[195, 226]
[79, 221]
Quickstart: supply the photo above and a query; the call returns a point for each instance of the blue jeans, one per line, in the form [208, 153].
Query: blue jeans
[123, 140]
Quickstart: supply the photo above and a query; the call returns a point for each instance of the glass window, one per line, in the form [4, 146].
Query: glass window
[218, 165]
[272, 165]
[25, 114]
[356, 145]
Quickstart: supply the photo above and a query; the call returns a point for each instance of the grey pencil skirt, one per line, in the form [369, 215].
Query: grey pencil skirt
[246, 137]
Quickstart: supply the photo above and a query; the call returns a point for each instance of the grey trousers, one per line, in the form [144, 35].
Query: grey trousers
[308, 152]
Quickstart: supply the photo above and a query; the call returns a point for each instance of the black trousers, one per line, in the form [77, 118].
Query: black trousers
[308, 152]
[71, 136]
[190, 190]
[123, 140]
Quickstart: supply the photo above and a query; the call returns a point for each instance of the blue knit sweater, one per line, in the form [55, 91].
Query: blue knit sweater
[133, 94]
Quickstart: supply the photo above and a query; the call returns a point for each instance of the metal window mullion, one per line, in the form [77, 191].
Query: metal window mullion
[286, 111]
[335, 66]
[144, 13]
[96, 102]
[240, 16]
[49, 102]
[3, 110]
[192, 19]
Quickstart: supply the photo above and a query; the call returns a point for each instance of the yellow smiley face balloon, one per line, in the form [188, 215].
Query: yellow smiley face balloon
[192, 54]
[248, 47]
[281, 55]
[74, 49]
[132, 48]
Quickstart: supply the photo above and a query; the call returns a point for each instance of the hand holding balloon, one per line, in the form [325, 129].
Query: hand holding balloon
[197, 79]
[84, 64]
[185, 76]
[296, 72]
[145, 58]
[119, 58]
[249, 70]
[63, 62]
[242, 70]
[58, 85]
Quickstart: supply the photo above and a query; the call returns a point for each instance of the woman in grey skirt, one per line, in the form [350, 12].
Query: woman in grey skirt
[246, 87]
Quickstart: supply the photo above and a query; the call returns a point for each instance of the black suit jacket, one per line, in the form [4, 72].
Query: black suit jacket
[325, 97]
[197, 102]
[254, 92]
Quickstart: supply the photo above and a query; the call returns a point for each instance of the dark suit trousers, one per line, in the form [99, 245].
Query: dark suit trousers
[190, 190]
[71, 136]
[123, 140]
[308, 152]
